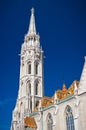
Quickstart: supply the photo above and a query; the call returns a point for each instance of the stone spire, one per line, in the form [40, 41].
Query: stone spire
[32, 27]
[82, 84]
[75, 88]
[55, 98]
[40, 105]
[32, 37]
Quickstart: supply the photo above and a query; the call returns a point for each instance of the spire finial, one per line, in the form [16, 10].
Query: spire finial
[32, 11]
[75, 88]
[55, 98]
[40, 105]
[32, 27]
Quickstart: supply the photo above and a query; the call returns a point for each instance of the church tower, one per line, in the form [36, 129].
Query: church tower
[31, 86]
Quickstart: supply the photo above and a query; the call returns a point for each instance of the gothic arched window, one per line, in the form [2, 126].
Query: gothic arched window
[29, 68]
[28, 89]
[36, 89]
[29, 85]
[69, 119]
[36, 68]
[37, 103]
[30, 106]
[49, 122]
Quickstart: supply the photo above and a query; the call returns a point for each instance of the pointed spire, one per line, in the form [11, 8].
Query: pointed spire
[40, 105]
[32, 27]
[75, 88]
[55, 98]
[64, 88]
[82, 84]
[32, 37]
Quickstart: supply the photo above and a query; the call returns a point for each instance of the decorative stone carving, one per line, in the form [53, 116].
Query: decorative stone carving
[77, 101]
[56, 109]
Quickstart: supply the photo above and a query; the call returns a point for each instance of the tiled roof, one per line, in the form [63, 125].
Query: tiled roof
[64, 93]
[30, 122]
[46, 101]
[61, 94]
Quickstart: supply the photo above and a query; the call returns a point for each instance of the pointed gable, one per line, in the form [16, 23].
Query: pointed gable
[82, 85]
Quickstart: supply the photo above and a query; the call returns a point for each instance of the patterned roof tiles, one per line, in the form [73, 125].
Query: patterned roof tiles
[30, 122]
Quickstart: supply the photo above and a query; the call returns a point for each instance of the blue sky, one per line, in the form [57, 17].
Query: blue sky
[62, 28]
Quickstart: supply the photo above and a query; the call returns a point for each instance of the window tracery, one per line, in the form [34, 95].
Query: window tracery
[69, 119]
[49, 122]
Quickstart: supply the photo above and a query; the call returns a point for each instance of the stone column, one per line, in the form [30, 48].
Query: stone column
[76, 123]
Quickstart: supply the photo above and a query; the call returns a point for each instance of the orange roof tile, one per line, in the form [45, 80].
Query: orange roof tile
[61, 94]
[30, 122]
[46, 101]
[64, 93]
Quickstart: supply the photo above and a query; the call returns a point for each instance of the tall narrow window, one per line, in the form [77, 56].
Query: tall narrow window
[30, 106]
[37, 103]
[36, 68]
[29, 69]
[21, 107]
[28, 88]
[36, 89]
[69, 119]
[49, 122]
[19, 115]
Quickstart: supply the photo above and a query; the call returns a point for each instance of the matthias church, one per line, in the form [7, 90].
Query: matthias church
[65, 110]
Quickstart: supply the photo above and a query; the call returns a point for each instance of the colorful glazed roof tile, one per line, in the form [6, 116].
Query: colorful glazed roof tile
[46, 101]
[61, 94]
[30, 122]
[64, 93]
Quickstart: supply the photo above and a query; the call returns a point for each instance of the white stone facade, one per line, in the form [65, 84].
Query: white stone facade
[31, 91]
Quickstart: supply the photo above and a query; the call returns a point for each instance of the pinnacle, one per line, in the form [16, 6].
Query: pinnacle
[32, 27]
[32, 11]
